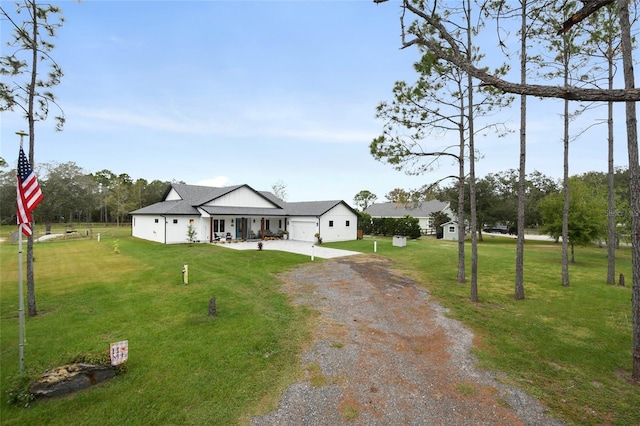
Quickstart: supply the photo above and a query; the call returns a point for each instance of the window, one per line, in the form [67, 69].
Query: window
[218, 225]
[330, 224]
[175, 221]
[279, 223]
[346, 223]
[452, 229]
[155, 220]
[266, 224]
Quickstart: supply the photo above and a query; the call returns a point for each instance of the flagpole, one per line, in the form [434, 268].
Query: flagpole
[22, 134]
[20, 301]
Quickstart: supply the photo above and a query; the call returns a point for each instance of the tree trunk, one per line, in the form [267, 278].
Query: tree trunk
[31, 288]
[573, 257]
[461, 263]
[634, 181]
[472, 169]
[522, 169]
[611, 211]
[565, 207]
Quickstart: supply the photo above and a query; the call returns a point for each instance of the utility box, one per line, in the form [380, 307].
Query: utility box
[399, 241]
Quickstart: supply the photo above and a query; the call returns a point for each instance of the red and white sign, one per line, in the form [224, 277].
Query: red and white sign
[119, 352]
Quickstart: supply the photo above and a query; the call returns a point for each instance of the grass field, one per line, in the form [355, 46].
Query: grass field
[184, 366]
[571, 347]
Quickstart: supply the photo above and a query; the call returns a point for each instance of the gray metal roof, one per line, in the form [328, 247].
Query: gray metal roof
[242, 211]
[197, 196]
[168, 207]
[312, 208]
[423, 209]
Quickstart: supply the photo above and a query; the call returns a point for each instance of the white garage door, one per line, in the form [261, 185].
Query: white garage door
[302, 230]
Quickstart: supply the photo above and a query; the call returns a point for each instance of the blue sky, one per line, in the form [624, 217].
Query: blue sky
[255, 92]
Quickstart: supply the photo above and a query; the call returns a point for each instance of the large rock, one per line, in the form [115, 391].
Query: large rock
[70, 378]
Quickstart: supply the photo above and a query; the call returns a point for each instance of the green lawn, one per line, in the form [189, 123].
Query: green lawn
[571, 347]
[184, 366]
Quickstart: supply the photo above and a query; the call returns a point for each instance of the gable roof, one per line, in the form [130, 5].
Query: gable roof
[313, 208]
[173, 207]
[423, 209]
[194, 199]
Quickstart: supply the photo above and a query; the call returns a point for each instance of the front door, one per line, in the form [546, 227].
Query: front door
[241, 228]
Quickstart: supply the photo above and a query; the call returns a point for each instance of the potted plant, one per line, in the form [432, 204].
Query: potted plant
[317, 235]
[285, 235]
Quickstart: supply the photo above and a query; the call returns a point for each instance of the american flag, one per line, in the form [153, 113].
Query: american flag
[29, 193]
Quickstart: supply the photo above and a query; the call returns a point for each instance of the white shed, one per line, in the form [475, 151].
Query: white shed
[450, 230]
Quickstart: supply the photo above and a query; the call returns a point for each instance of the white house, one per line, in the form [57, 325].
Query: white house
[422, 212]
[240, 212]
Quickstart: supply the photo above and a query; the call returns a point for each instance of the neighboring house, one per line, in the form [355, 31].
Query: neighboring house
[240, 212]
[422, 212]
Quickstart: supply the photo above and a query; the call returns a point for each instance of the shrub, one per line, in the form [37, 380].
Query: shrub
[407, 226]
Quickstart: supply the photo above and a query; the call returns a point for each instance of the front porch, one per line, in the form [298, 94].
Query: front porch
[239, 228]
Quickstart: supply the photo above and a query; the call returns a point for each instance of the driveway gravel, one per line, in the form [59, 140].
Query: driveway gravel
[299, 247]
[384, 353]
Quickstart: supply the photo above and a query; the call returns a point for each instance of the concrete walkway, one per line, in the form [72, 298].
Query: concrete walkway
[299, 247]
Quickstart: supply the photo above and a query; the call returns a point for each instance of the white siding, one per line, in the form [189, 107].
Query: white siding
[177, 232]
[340, 231]
[148, 228]
[241, 197]
[450, 231]
[172, 195]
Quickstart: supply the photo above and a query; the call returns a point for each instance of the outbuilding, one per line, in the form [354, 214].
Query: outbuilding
[450, 230]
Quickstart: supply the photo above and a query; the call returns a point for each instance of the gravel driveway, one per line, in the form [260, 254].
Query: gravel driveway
[383, 353]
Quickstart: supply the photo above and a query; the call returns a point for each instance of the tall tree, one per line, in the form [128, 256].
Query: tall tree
[120, 196]
[399, 196]
[438, 103]
[522, 165]
[605, 39]
[568, 62]
[31, 41]
[472, 55]
[427, 31]
[71, 193]
[364, 199]
[634, 178]
[105, 180]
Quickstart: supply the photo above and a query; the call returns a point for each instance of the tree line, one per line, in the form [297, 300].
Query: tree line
[497, 204]
[72, 195]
